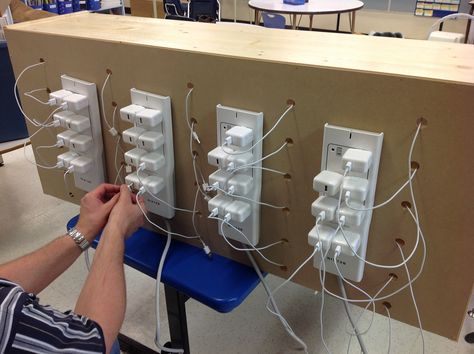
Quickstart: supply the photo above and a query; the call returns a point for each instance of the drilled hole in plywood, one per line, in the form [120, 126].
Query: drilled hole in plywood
[114, 104]
[199, 214]
[289, 142]
[42, 60]
[286, 210]
[48, 90]
[406, 204]
[71, 195]
[108, 71]
[393, 276]
[189, 85]
[284, 268]
[195, 154]
[414, 165]
[400, 241]
[193, 121]
[285, 240]
[422, 121]
[290, 102]
[287, 177]
[387, 304]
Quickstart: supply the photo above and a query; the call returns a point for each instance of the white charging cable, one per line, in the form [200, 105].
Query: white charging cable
[194, 135]
[261, 159]
[111, 128]
[213, 187]
[157, 296]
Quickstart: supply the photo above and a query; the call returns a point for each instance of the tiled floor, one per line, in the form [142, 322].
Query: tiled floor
[29, 219]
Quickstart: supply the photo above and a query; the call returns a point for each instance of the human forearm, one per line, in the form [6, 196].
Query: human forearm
[37, 270]
[103, 295]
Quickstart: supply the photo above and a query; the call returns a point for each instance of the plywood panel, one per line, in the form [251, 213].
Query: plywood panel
[361, 98]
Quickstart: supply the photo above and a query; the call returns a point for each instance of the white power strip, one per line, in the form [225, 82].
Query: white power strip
[337, 140]
[246, 182]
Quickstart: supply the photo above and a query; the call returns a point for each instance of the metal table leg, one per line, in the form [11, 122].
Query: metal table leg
[176, 308]
[311, 22]
[294, 21]
[257, 18]
[338, 21]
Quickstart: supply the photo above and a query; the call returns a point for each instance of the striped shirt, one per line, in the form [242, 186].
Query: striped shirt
[28, 327]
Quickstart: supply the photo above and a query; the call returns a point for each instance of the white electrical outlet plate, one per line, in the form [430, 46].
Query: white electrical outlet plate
[336, 141]
[227, 118]
[167, 194]
[96, 175]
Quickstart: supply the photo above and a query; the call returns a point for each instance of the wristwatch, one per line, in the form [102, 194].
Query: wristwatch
[79, 239]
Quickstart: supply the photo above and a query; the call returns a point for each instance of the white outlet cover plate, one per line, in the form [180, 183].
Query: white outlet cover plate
[95, 176]
[336, 141]
[227, 118]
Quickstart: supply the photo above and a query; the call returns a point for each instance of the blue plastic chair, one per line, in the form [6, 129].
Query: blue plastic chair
[273, 20]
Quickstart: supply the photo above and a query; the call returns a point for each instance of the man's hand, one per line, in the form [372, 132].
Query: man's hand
[126, 217]
[95, 209]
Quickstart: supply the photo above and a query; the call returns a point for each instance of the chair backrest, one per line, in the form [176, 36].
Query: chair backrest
[173, 8]
[179, 18]
[273, 20]
[204, 8]
[459, 16]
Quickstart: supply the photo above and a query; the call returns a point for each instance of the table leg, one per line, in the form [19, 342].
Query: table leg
[468, 28]
[310, 22]
[353, 21]
[294, 21]
[338, 22]
[176, 308]
[257, 17]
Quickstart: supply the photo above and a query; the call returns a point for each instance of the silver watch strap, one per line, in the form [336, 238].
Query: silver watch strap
[79, 239]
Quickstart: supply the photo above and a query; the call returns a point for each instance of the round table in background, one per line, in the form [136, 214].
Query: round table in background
[311, 8]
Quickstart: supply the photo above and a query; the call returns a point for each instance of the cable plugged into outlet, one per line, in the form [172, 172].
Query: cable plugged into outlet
[83, 132]
[349, 169]
[152, 156]
[237, 186]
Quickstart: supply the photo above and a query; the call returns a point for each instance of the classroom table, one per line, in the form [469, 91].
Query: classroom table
[311, 8]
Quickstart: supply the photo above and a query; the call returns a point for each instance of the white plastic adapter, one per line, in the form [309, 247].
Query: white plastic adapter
[78, 123]
[66, 136]
[241, 183]
[220, 201]
[153, 184]
[81, 164]
[238, 210]
[149, 117]
[65, 159]
[358, 188]
[235, 161]
[128, 113]
[132, 157]
[360, 160]
[326, 204]
[352, 217]
[153, 161]
[326, 234]
[130, 136]
[217, 157]
[63, 117]
[220, 177]
[240, 135]
[80, 143]
[58, 96]
[76, 101]
[327, 182]
[132, 180]
[151, 140]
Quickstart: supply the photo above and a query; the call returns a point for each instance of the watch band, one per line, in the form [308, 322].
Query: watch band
[79, 239]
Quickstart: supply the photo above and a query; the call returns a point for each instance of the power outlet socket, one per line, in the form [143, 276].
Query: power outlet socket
[335, 143]
[227, 118]
[96, 173]
[164, 171]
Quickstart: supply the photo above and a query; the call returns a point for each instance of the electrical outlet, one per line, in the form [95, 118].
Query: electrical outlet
[245, 182]
[153, 135]
[84, 106]
[337, 140]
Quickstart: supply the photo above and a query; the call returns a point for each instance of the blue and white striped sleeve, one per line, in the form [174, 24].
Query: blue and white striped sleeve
[28, 327]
